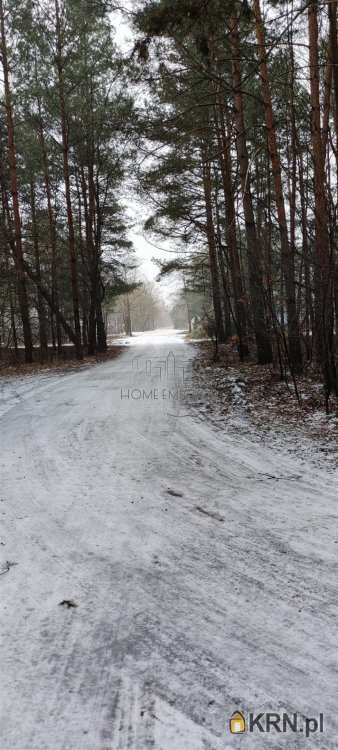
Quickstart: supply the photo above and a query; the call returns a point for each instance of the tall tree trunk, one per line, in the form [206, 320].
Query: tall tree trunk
[223, 272]
[84, 269]
[288, 261]
[187, 305]
[263, 343]
[101, 328]
[17, 248]
[240, 314]
[40, 301]
[51, 219]
[127, 315]
[324, 290]
[94, 221]
[66, 174]
[333, 41]
[13, 323]
[94, 259]
[87, 198]
[309, 315]
[332, 10]
[216, 296]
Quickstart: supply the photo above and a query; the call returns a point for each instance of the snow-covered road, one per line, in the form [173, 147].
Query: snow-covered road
[204, 567]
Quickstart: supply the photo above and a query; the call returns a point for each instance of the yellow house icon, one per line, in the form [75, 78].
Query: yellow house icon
[237, 723]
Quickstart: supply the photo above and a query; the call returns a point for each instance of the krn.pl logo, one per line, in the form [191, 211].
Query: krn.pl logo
[268, 722]
[237, 723]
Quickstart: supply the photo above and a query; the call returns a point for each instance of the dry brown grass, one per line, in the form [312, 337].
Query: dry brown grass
[56, 364]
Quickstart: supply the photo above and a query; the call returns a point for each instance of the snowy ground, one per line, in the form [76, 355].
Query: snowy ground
[203, 565]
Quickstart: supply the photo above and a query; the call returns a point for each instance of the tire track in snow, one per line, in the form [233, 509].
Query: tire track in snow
[180, 617]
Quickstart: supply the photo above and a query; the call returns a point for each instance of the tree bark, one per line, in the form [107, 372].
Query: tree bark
[223, 272]
[240, 314]
[288, 261]
[263, 342]
[216, 296]
[40, 301]
[323, 290]
[309, 314]
[333, 44]
[66, 174]
[51, 219]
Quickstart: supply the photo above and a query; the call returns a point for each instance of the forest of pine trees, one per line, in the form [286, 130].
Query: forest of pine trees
[243, 120]
[65, 142]
[224, 117]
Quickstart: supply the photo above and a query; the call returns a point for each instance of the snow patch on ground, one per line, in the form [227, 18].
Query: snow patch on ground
[202, 560]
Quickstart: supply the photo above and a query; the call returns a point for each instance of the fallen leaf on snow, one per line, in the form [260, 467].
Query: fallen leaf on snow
[69, 603]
